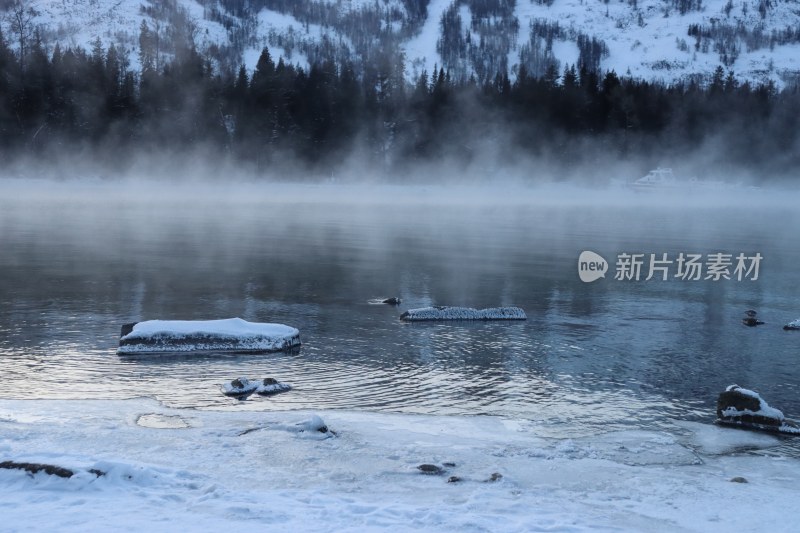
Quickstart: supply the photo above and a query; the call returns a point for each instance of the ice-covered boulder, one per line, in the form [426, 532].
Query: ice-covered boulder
[270, 386]
[230, 335]
[240, 388]
[793, 325]
[463, 313]
[745, 408]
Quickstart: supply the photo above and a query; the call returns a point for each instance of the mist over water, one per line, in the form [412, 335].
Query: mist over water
[79, 259]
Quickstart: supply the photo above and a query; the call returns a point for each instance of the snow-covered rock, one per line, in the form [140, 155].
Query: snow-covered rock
[746, 408]
[463, 313]
[270, 386]
[232, 334]
[240, 387]
[793, 325]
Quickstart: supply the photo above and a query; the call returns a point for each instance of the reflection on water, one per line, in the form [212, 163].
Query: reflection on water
[590, 357]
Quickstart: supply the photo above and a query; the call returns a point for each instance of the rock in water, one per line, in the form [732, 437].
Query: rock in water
[794, 325]
[463, 313]
[392, 301]
[741, 407]
[239, 388]
[750, 319]
[270, 386]
[228, 335]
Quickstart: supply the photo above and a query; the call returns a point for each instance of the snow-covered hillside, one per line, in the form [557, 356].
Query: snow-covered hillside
[666, 40]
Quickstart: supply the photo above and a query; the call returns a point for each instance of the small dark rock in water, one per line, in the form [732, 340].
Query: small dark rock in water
[496, 476]
[432, 470]
[449, 464]
[453, 479]
[392, 301]
[738, 479]
[750, 321]
[126, 328]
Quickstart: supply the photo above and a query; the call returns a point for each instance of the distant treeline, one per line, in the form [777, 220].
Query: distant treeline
[64, 99]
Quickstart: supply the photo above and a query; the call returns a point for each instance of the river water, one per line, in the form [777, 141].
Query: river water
[79, 260]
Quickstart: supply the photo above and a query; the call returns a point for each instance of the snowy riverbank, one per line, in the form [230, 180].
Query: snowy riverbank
[235, 470]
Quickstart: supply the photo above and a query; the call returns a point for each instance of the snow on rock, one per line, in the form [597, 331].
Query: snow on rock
[239, 387]
[232, 334]
[746, 408]
[270, 386]
[793, 325]
[463, 313]
[313, 427]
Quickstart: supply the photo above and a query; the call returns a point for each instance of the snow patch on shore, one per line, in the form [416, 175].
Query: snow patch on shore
[213, 474]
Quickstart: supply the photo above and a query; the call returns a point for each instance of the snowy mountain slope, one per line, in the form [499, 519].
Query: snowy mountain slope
[666, 40]
[78, 23]
[652, 40]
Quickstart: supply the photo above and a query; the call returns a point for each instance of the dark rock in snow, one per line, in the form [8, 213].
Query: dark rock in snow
[431, 470]
[453, 479]
[738, 479]
[496, 476]
[51, 470]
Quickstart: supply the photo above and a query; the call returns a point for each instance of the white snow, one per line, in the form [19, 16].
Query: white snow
[421, 50]
[463, 313]
[648, 47]
[237, 470]
[224, 334]
[77, 23]
[795, 324]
